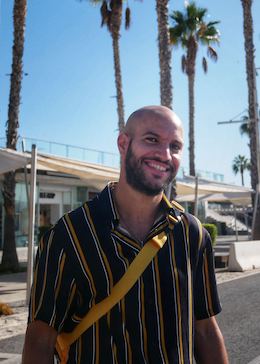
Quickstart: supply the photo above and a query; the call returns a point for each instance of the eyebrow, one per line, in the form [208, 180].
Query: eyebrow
[152, 133]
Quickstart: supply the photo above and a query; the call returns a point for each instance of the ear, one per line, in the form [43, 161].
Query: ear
[122, 143]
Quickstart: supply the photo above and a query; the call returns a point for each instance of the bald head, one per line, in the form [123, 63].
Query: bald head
[150, 147]
[151, 113]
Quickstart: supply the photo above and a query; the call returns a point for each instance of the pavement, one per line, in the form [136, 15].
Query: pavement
[13, 293]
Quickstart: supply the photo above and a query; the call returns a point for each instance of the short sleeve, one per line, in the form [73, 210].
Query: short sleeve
[53, 286]
[206, 299]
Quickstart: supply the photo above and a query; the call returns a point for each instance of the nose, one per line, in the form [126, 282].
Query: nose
[164, 153]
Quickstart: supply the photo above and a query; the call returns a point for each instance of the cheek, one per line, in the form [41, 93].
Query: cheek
[176, 161]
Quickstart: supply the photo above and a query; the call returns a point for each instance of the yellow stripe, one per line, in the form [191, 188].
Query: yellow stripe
[178, 299]
[57, 290]
[115, 353]
[190, 328]
[34, 291]
[82, 258]
[130, 355]
[97, 342]
[200, 231]
[45, 276]
[143, 320]
[126, 239]
[208, 286]
[159, 298]
[35, 275]
[173, 204]
[108, 270]
[156, 232]
[122, 305]
[79, 350]
[109, 319]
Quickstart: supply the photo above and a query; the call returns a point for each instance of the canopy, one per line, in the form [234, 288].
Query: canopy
[212, 191]
[97, 176]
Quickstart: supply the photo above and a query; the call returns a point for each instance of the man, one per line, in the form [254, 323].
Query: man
[168, 315]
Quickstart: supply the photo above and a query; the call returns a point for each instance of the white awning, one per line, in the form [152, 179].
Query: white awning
[11, 160]
[98, 176]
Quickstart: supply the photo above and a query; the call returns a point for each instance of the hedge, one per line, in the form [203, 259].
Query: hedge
[213, 232]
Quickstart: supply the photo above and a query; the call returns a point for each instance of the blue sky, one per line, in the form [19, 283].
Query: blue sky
[67, 96]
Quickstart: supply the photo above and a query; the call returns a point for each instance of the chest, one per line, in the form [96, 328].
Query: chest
[107, 257]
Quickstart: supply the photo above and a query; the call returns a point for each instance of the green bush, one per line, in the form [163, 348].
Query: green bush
[213, 232]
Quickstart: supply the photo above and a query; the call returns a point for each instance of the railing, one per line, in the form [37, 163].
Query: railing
[67, 150]
[89, 155]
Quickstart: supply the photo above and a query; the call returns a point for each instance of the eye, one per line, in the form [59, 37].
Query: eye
[175, 147]
[151, 139]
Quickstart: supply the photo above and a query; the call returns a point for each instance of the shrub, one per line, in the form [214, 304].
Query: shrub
[213, 232]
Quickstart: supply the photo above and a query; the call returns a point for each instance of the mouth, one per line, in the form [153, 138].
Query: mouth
[157, 166]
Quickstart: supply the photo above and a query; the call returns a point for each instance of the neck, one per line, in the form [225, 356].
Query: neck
[137, 211]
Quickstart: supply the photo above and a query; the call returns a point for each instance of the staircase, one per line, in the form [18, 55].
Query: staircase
[229, 220]
[221, 254]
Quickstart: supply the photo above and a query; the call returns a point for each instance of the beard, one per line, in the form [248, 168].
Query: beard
[137, 178]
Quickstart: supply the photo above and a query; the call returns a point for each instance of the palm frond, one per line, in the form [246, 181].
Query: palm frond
[204, 65]
[177, 17]
[244, 128]
[127, 18]
[183, 64]
[105, 13]
[212, 53]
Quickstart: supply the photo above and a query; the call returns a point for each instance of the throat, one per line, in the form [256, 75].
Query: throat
[138, 233]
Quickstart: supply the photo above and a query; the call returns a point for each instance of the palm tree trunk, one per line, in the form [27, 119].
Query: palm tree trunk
[242, 178]
[164, 53]
[252, 104]
[191, 79]
[118, 81]
[190, 70]
[115, 24]
[9, 259]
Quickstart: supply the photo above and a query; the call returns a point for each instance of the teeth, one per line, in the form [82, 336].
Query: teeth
[158, 167]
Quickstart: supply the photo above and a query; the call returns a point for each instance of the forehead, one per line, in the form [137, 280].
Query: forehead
[161, 125]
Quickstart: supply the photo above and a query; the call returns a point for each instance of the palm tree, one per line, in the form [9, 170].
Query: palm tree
[191, 30]
[164, 53]
[9, 259]
[252, 104]
[111, 16]
[240, 165]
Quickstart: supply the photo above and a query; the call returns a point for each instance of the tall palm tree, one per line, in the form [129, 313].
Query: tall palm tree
[252, 104]
[111, 16]
[9, 259]
[189, 29]
[164, 53]
[240, 165]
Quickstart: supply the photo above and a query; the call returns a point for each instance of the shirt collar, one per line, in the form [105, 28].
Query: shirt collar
[172, 208]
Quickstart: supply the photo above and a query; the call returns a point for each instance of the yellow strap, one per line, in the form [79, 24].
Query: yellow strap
[136, 268]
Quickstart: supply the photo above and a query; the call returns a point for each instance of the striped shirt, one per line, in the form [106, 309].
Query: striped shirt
[85, 254]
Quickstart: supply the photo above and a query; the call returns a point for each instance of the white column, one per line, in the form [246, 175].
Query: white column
[31, 222]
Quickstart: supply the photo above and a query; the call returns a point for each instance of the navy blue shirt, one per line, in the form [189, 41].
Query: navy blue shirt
[85, 254]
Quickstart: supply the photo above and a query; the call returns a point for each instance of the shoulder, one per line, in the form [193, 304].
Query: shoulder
[194, 229]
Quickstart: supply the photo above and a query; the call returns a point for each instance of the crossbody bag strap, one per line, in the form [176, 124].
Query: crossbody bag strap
[120, 289]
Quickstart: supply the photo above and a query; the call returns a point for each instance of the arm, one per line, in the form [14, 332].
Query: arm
[209, 342]
[39, 343]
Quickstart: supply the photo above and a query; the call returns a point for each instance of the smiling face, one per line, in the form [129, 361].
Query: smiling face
[151, 149]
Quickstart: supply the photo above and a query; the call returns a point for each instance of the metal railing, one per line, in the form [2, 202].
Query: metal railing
[67, 150]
